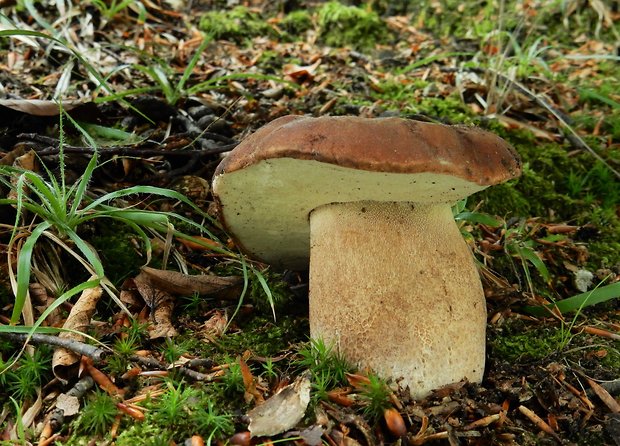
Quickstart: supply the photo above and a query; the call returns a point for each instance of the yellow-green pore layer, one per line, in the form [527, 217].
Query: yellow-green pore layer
[269, 184]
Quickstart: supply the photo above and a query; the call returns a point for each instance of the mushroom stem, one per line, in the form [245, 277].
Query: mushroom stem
[394, 287]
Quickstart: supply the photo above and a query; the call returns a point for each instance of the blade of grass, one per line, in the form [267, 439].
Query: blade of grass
[266, 289]
[23, 269]
[596, 296]
[88, 252]
[246, 282]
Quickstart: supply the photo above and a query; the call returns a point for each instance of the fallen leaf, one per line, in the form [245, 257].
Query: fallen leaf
[64, 362]
[282, 411]
[187, 284]
[38, 107]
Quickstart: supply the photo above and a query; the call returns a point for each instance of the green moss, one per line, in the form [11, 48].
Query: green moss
[270, 61]
[342, 25]
[514, 343]
[415, 98]
[237, 24]
[611, 360]
[182, 411]
[118, 248]
[263, 337]
[296, 23]
[445, 18]
[144, 434]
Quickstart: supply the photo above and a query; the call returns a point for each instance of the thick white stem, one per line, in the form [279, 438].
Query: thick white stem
[395, 288]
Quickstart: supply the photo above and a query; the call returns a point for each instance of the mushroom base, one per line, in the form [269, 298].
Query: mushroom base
[394, 287]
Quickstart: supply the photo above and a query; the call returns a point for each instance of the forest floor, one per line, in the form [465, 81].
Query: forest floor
[109, 111]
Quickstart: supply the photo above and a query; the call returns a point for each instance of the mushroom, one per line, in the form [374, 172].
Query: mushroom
[367, 202]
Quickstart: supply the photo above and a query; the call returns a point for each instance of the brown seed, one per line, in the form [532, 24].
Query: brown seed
[241, 439]
[197, 440]
[395, 422]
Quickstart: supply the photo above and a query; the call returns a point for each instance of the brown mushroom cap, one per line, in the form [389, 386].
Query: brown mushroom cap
[268, 185]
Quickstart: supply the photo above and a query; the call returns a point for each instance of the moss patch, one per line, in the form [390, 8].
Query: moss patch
[514, 342]
[342, 25]
[237, 24]
[117, 248]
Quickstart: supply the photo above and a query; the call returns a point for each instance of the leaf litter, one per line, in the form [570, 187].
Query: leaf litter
[564, 392]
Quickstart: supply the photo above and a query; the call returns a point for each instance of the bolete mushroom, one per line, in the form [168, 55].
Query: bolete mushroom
[367, 202]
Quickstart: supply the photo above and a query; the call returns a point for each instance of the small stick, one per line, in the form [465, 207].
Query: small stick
[539, 422]
[483, 422]
[95, 353]
[431, 437]
[600, 332]
[579, 394]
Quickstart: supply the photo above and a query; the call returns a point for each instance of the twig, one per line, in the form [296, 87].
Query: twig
[483, 422]
[155, 364]
[599, 332]
[539, 422]
[57, 416]
[52, 147]
[95, 353]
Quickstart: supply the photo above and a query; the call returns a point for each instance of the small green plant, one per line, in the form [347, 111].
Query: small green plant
[173, 407]
[60, 209]
[123, 347]
[520, 243]
[185, 411]
[269, 370]
[109, 9]
[296, 22]
[98, 414]
[25, 378]
[232, 381]
[375, 397]
[575, 303]
[211, 424]
[322, 383]
[174, 90]
[463, 217]
[172, 350]
[21, 430]
[326, 365]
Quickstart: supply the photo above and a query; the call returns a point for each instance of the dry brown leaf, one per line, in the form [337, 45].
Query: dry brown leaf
[64, 362]
[27, 161]
[282, 411]
[161, 304]
[39, 294]
[605, 397]
[249, 382]
[38, 107]
[186, 284]
[102, 380]
[162, 317]
[215, 325]
[301, 73]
